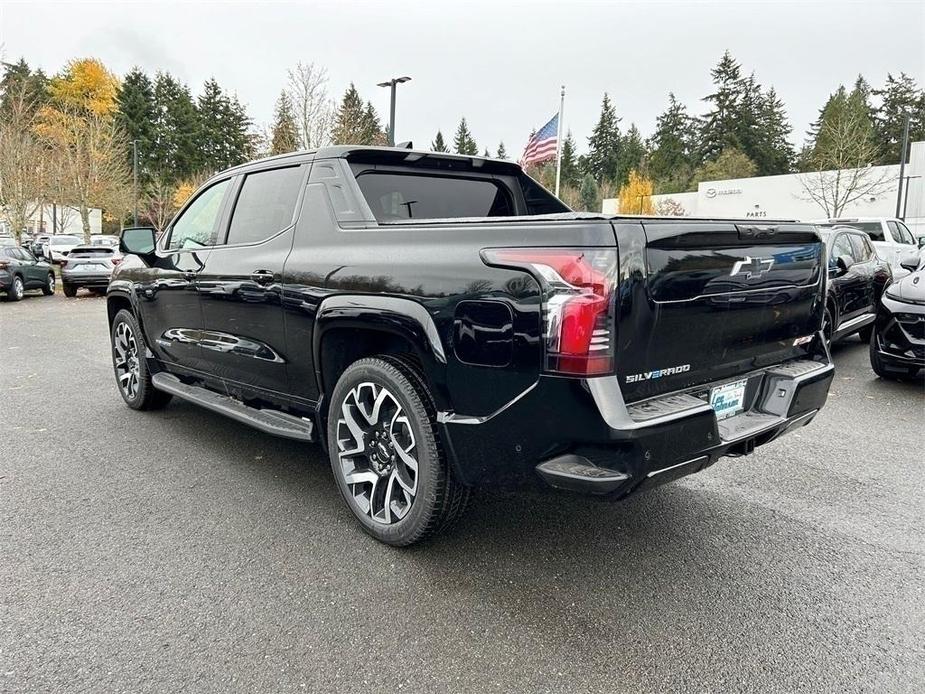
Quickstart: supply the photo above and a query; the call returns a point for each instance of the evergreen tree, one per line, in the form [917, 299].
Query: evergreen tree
[285, 133]
[356, 123]
[239, 142]
[632, 153]
[502, 152]
[438, 145]
[845, 117]
[373, 132]
[775, 153]
[138, 116]
[899, 96]
[175, 152]
[673, 148]
[18, 74]
[603, 158]
[224, 126]
[731, 163]
[463, 143]
[590, 195]
[569, 172]
[721, 125]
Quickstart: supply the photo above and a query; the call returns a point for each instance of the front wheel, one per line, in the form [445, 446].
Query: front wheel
[130, 366]
[16, 290]
[386, 454]
[828, 326]
[49, 287]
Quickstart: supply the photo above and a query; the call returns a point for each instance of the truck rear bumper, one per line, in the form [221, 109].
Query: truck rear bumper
[581, 436]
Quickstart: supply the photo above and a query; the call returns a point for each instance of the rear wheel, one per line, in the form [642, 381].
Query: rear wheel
[828, 326]
[70, 291]
[16, 290]
[49, 287]
[386, 455]
[131, 367]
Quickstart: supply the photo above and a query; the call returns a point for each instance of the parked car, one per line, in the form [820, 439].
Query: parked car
[58, 246]
[37, 246]
[891, 237]
[897, 345]
[89, 267]
[104, 240]
[20, 271]
[857, 278]
[441, 321]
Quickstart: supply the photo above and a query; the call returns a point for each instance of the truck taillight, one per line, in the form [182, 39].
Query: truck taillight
[578, 303]
[115, 261]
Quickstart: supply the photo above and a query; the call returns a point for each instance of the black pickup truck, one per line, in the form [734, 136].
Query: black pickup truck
[439, 322]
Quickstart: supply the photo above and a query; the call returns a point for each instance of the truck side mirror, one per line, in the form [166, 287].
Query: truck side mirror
[138, 240]
[843, 262]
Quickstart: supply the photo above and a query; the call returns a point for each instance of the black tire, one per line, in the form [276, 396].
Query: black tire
[49, 287]
[136, 390]
[865, 332]
[16, 290]
[70, 291]
[438, 498]
[875, 362]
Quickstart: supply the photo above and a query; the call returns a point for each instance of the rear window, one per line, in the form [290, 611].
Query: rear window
[394, 197]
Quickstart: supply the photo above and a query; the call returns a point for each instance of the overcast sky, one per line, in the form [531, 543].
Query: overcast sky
[498, 63]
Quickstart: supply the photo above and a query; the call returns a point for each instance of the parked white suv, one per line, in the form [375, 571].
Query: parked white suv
[891, 238]
[57, 247]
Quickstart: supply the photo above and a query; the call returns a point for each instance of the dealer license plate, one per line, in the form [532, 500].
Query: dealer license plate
[728, 399]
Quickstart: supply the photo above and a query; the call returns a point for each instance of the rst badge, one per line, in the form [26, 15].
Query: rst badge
[751, 267]
[658, 373]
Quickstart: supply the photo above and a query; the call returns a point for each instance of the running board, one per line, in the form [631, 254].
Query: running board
[268, 421]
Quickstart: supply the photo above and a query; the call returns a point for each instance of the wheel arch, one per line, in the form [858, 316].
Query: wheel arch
[348, 328]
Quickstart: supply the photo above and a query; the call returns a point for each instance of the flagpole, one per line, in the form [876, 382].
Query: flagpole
[559, 141]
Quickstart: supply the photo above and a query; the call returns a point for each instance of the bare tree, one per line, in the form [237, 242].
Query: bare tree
[314, 110]
[22, 169]
[90, 150]
[669, 207]
[843, 172]
[159, 203]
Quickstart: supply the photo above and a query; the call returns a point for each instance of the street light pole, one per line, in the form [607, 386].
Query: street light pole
[135, 180]
[392, 84]
[902, 164]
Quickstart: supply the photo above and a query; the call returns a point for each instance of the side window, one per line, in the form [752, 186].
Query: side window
[265, 204]
[195, 228]
[906, 234]
[859, 248]
[842, 246]
[894, 232]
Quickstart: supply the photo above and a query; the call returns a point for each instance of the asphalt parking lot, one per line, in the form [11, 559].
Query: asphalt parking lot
[180, 551]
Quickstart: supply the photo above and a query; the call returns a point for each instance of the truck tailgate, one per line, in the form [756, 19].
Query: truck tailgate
[719, 299]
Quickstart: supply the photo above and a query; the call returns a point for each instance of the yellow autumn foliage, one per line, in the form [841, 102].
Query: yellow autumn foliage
[87, 85]
[183, 192]
[636, 195]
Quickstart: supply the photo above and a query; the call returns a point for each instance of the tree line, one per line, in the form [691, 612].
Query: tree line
[69, 139]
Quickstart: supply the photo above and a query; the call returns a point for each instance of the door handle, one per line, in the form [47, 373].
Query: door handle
[262, 276]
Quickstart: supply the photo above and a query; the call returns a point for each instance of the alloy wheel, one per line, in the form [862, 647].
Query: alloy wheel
[18, 288]
[128, 368]
[376, 451]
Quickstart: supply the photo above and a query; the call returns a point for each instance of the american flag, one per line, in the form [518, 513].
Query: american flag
[542, 146]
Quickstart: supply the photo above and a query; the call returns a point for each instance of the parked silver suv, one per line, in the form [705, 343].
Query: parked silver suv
[89, 267]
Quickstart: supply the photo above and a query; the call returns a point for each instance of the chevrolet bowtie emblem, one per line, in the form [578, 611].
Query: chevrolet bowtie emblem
[751, 267]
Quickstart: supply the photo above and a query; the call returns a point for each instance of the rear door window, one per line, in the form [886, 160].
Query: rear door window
[265, 205]
[394, 197]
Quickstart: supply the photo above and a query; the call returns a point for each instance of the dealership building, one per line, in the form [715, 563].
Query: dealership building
[66, 220]
[789, 196]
